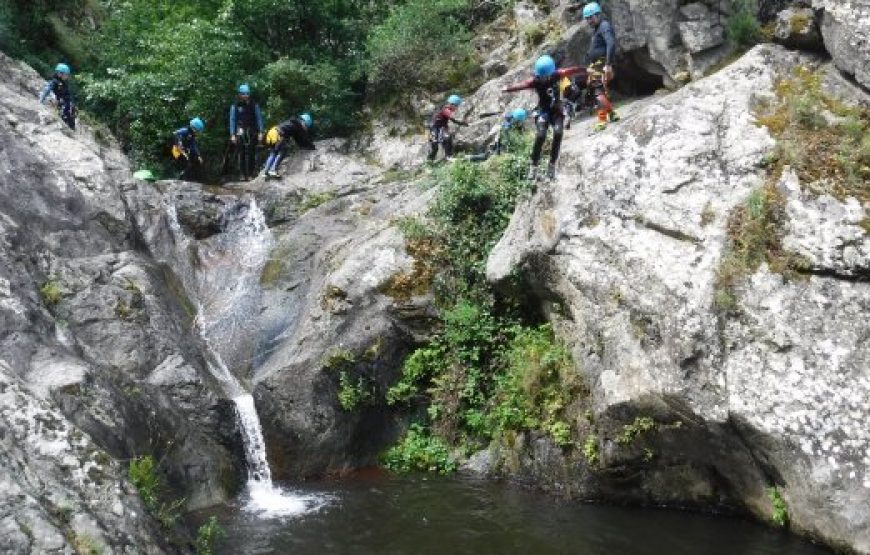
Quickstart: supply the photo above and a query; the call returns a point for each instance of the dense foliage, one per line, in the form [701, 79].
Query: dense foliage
[489, 372]
[145, 67]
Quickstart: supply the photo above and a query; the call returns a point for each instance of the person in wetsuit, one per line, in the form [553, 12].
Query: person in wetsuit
[59, 85]
[439, 132]
[295, 129]
[599, 62]
[550, 112]
[246, 131]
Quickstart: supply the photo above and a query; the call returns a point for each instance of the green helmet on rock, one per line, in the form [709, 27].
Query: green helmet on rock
[590, 9]
[454, 99]
[545, 66]
[63, 69]
[197, 125]
[307, 120]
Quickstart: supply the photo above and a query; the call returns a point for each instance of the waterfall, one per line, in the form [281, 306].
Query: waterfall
[224, 285]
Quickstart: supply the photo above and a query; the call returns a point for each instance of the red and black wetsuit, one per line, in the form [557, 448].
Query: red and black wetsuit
[438, 131]
[549, 109]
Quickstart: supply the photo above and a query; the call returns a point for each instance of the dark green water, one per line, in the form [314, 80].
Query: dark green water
[423, 515]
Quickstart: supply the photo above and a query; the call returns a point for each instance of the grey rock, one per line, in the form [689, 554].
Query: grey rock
[846, 31]
[775, 396]
[700, 35]
[798, 28]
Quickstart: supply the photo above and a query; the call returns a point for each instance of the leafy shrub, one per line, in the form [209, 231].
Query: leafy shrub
[207, 536]
[743, 27]
[779, 510]
[51, 293]
[143, 474]
[353, 393]
[640, 426]
[421, 44]
[419, 451]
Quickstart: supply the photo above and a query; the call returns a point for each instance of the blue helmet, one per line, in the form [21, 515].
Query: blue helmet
[519, 115]
[590, 9]
[244, 89]
[197, 125]
[306, 119]
[454, 99]
[545, 66]
[62, 68]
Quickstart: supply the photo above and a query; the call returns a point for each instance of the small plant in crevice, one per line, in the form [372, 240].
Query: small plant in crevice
[779, 509]
[50, 292]
[591, 450]
[354, 393]
[143, 473]
[640, 426]
[207, 536]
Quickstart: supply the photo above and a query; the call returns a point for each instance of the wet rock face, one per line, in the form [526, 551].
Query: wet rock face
[629, 240]
[88, 320]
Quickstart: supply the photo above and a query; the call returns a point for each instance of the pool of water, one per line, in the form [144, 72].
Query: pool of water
[381, 514]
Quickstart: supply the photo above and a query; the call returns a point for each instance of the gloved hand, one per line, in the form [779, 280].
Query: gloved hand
[233, 139]
[259, 137]
[608, 73]
[200, 159]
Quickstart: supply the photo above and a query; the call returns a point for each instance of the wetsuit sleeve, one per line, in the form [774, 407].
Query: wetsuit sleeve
[609, 38]
[194, 147]
[527, 84]
[259, 114]
[233, 119]
[179, 137]
[46, 90]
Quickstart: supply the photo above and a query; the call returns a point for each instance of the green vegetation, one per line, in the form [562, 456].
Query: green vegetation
[487, 374]
[779, 510]
[419, 451]
[591, 450]
[51, 293]
[743, 28]
[84, 544]
[207, 536]
[825, 141]
[353, 393]
[143, 474]
[640, 426]
[312, 201]
[421, 44]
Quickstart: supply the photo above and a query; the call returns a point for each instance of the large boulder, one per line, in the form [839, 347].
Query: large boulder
[846, 30]
[624, 250]
[90, 326]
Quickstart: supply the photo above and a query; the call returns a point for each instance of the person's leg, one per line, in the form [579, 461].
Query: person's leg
[447, 141]
[542, 125]
[558, 130]
[66, 114]
[434, 135]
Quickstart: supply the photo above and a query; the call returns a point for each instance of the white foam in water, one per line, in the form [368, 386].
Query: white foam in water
[268, 501]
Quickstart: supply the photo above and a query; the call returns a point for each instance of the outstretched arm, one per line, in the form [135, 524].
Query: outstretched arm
[569, 71]
[527, 84]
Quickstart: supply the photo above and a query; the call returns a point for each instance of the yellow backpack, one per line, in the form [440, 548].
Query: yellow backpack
[272, 136]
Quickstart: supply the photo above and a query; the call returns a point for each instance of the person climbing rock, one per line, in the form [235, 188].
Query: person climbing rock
[549, 111]
[502, 135]
[439, 132]
[59, 85]
[299, 130]
[185, 150]
[246, 131]
[599, 61]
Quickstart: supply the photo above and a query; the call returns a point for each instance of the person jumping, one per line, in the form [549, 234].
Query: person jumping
[550, 111]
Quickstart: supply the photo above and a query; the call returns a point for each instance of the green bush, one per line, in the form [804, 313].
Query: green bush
[353, 393]
[422, 44]
[51, 293]
[419, 451]
[207, 536]
[143, 474]
[779, 510]
[743, 27]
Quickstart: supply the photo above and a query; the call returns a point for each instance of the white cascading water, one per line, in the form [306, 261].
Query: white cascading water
[225, 288]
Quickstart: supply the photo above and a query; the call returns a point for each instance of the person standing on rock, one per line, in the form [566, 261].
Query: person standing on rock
[185, 150]
[501, 136]
[599, 61]
[60, 86]
[550, 111]
[246, 131]
[299, 130]
[439, 133]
